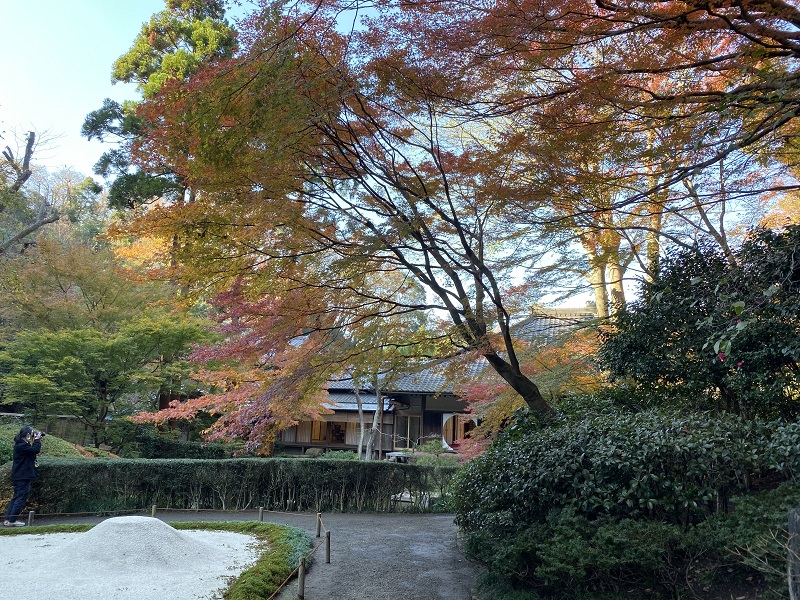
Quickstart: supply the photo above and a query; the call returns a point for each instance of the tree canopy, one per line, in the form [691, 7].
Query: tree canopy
[82, 338]
[32, 198]
[457, 145]
[174, 44]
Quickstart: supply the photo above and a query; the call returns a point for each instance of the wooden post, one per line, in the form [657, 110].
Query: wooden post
[319, 523]
[260, 514]
[30, 518]
[153, 511]
[328, 547]
[301, 579]
[793, 557]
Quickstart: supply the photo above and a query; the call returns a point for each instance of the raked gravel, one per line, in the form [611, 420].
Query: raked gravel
[136, 558]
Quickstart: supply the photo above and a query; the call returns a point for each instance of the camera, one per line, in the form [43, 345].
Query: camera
[39, 434]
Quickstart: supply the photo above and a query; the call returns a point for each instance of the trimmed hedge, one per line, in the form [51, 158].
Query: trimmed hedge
[675, 468]
[102, 485]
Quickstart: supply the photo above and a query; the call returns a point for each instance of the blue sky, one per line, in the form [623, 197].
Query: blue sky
[55, 68]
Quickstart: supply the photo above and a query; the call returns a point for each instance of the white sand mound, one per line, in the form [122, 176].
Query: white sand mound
[125, 557]
[139, 542]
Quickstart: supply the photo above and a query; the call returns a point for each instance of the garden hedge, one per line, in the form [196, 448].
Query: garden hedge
[639, 500]
[71, 485]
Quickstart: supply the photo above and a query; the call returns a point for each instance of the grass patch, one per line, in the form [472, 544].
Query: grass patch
[51, 445]
[282, 547]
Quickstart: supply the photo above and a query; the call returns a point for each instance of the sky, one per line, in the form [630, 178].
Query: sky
[55, 68]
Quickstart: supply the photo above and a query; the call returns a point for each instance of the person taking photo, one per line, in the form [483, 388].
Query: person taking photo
[27, 445]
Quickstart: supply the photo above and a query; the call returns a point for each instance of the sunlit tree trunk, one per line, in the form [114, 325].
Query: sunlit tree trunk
[360, 419]
[616, 273]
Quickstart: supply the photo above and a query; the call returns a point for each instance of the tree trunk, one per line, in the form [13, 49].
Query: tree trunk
[379, 419]
[373, 433]
[21, 169]
[597, 273]
[615, 276]
[524, 387]
[360, 420]
[653, 243]
[597, 279]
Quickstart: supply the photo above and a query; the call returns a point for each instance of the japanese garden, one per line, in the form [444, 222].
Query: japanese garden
[532, 264]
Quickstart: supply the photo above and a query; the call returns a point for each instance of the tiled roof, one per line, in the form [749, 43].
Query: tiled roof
[341, 384]
[347, 402]
[544, 326]
[548, 325]
[425, 382]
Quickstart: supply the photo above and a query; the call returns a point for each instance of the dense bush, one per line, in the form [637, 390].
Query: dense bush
[68, 486]
[718, 331]
[151, 445]
[622, 499]
[341, 455]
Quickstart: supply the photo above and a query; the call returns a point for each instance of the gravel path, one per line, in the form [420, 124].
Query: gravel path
[386, 557]
[382, 556]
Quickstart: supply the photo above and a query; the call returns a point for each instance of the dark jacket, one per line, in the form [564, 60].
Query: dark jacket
[24, 466]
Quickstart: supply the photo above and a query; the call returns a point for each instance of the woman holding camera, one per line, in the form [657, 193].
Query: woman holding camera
[27, 445]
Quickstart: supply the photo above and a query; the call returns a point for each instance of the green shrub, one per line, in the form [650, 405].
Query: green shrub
[675, 468]
[7, 433]
[149, 444]
[616, 500]
[340, 455]
[51, 445]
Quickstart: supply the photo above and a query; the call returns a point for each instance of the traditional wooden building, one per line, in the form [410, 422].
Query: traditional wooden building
[417, 407]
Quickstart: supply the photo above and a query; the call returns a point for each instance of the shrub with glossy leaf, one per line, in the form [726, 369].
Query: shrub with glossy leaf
[675, 468]
[719, 332]
[616, 499]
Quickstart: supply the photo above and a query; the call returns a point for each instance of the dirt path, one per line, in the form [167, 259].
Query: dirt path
[382, 556]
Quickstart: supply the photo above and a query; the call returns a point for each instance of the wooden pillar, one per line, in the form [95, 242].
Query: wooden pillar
[793, 558]
[301, 580]
[328, 547]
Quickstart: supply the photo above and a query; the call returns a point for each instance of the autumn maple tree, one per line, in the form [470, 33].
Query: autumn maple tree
[454, 145]
[344, 184]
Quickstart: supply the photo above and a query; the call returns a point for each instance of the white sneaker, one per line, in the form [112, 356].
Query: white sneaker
[13, 524]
